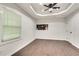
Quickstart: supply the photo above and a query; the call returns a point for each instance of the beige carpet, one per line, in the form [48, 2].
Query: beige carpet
[41, 47]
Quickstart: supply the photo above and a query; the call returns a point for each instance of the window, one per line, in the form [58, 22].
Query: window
[11, 25]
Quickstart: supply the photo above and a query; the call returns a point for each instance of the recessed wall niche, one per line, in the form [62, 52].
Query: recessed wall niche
[42, 26]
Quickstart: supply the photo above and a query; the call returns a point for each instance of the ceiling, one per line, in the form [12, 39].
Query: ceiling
[39, 14]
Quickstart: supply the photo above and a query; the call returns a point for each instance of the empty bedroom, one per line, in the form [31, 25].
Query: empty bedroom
[39, 29]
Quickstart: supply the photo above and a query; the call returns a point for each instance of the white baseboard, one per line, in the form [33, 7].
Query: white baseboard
[10, 49]
[74, 43]
[21, 47]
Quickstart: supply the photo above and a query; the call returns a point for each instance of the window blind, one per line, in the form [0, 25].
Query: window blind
[11, 25]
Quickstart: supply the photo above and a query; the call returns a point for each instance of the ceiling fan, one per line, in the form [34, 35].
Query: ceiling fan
[51, 6]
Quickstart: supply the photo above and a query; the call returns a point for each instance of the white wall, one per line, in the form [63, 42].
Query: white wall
[27, 36]
[56, 29]
[0, 27]
[73, 26]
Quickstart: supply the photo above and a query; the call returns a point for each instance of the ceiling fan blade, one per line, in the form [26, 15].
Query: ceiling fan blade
[46, 9]
[55, 7]
[54, 4]
[45, 5]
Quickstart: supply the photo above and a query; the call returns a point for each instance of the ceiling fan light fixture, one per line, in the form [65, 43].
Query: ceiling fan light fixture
[50, 9]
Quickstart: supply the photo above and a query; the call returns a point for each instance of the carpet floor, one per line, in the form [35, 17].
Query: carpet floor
[42, 47]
